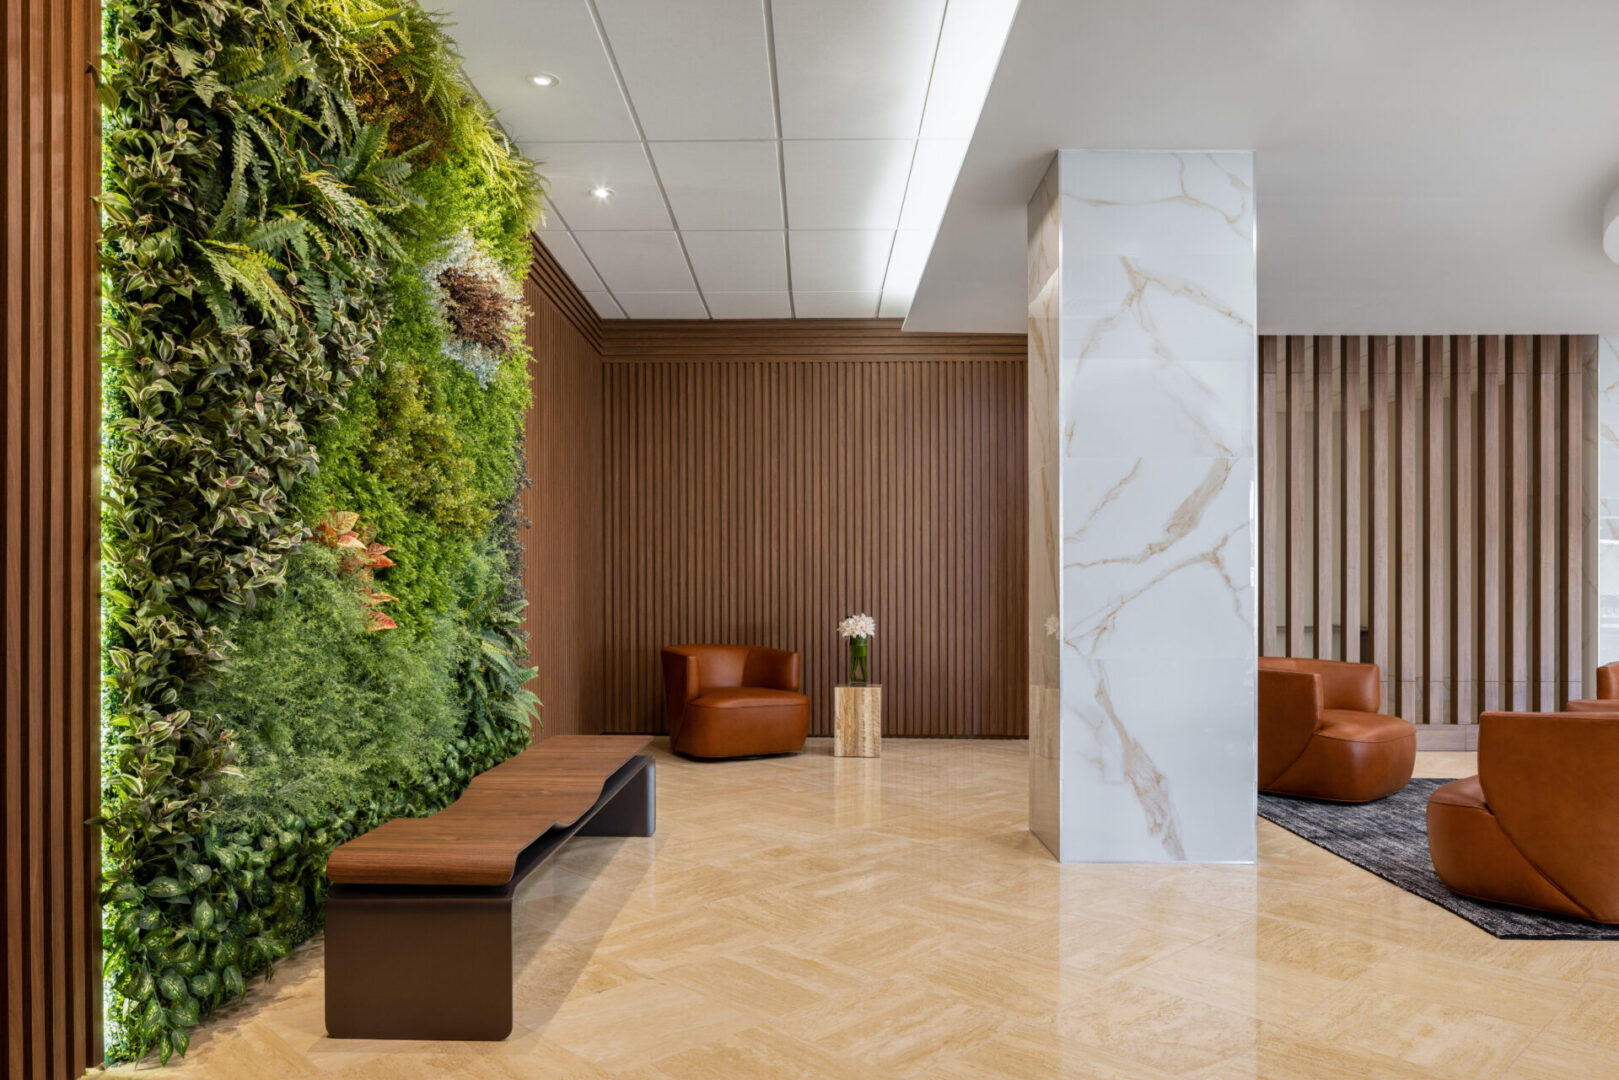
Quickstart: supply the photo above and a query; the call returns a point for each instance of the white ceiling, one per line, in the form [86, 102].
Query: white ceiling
[1420, 166]
[767, 158]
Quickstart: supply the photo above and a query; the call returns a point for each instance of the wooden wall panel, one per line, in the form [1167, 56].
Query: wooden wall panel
[1460, 520]
[49, 403]
[763, 479]
[564, 562]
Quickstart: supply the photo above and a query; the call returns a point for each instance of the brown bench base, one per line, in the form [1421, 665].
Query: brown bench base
[435, 961]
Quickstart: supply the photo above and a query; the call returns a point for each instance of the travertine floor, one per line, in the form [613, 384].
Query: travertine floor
[816, 917]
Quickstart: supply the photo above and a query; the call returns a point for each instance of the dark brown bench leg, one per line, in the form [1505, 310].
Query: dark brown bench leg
[633, 811]
[413, 964]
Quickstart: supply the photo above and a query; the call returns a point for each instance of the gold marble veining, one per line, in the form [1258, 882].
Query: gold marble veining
[796, 919]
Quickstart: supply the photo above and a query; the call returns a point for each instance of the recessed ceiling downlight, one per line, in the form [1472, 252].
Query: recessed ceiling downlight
[1610, 227]
[602, 191]
[544, 79]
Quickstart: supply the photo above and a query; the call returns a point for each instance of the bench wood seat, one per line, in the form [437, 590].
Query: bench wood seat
[477, 839]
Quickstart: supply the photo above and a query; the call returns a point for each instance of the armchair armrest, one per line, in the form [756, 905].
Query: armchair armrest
[1593, 705]
[1289, 713]
[1608, 682]
[772, 669]
[680, 684]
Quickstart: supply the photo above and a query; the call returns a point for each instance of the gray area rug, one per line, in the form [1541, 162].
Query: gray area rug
[1390, 838]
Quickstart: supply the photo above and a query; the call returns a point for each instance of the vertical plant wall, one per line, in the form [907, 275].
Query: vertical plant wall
[315, 384]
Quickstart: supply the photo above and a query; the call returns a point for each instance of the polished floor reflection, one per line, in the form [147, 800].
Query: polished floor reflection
[813, 917]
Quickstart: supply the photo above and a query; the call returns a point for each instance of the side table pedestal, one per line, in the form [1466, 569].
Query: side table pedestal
[858, 712]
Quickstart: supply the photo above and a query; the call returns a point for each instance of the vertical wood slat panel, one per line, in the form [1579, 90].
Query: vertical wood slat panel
[1494, 612]
[1408, 584]
[1325, 498]
[1382, 523]
[1349, 498]
[1520, 567]
[1435, 597]
[1574, 520]
[868, 471]
[566, 447]
[1467, 500]
[49, 436]
[1299, 547]
[1549, 455]
[1272, 557]
[1464, 579]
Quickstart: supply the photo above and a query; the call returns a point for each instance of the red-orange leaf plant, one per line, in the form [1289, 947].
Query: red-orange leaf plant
[358, 560]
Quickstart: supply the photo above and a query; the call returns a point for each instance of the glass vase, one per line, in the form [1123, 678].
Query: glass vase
[858, 648]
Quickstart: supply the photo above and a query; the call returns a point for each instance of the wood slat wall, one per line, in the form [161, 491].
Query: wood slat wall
[1443, 531]
[563, 567]
[49, 917]
[766, 478]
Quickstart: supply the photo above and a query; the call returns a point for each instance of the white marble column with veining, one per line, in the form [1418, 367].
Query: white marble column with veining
[1142, 477]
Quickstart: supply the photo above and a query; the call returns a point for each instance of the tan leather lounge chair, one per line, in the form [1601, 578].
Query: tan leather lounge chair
[728, 701]
[1538, 827]
[1321, 735]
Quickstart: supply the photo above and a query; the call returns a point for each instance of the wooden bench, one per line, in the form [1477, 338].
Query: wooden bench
[419, 919]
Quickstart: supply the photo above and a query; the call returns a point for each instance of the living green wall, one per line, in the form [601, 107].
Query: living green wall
[315, 384]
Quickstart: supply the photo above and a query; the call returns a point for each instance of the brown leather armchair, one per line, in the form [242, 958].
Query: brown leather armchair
[1608, 682]
[1321, 735]
[728, 701]
[1538, 827]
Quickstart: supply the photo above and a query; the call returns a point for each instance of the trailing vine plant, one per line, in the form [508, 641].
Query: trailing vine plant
[259, 209]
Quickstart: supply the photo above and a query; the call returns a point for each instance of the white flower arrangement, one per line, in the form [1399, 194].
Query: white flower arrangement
[857, 626]
[464, 259]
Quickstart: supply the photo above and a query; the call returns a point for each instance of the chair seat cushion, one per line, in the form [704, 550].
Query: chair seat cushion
[1467, 793]
[1362, 726]
[1352, 757]
[1474, 856]
[742, 721]
[746, 697]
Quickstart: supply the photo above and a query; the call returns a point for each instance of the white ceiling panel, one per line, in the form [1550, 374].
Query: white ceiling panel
[854, 69]
[749, 305]
[662, 305]
[697, 69]
[843, 120]
[835, 305]
[638, 262]
[732, 261]
[565, 249]
[846, 183]
[847, 260]
[605, 305]
[505, 43]
[721, 185]
[573, 169]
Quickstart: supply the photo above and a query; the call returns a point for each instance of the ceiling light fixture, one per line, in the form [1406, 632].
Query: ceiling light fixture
[602, 191]
[544, 79]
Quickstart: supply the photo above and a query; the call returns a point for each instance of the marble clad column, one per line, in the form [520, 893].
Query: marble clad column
[1142, 385]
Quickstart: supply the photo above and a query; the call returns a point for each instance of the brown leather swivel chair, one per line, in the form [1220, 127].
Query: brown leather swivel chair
[1538, 827]
[1607, 683]
[1321, 735]
[727, 701]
